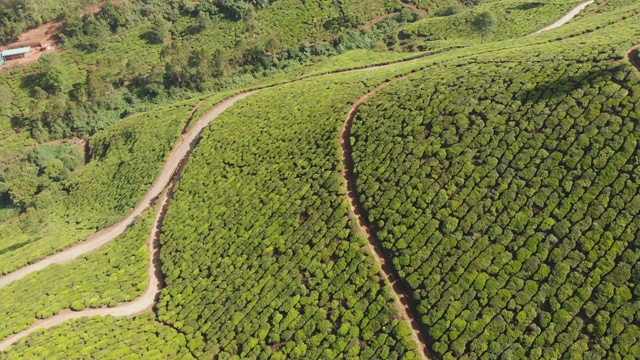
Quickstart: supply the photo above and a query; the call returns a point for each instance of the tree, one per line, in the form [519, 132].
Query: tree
[53, 74]
[159, 30]
[220, 63]
[204, 21]
[23, 191]
[96, 86]
[484, 23]
[273, 45]
[97, 34]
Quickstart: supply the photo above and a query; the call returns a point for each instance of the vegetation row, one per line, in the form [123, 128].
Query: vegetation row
[507, 191]
[108, 277]
[259, 256]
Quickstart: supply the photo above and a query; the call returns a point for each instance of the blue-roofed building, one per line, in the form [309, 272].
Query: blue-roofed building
[14, 54]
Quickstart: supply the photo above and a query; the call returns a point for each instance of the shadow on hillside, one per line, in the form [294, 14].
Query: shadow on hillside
[634, 58]
[191, 30]
[567, 84]
[30, 81]
[14, 247]
[150, 38]
[527, 6]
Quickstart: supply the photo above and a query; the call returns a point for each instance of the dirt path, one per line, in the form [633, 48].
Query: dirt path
[14, 134]
[168, 178]
[142, 304]
[107, 235]
[402, 4]
[565, 19]
[190, 118]
[406, 308]
[177, 158]
[414, 8]
[10, 219]
[599, 7]
[375, 20]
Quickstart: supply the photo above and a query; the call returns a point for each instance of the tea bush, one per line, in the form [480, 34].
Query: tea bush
[107, 277]
[139, 338]
[506, 188]
[259, 256]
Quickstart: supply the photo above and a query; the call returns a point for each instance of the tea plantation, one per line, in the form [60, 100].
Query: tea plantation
[104, 338]
[500, 178]
[507, 193]
[259, 256]
[514, 19]
[113, 274]
[124, 162]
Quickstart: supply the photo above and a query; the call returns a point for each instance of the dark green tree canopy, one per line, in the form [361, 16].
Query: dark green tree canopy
[484, 23]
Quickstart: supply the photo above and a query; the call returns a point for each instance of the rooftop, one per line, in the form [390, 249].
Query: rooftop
[18, 51]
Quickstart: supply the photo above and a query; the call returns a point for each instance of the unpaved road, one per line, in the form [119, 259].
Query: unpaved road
[413, 7]
[565, 19]
[168, 178]
[107, 235]
[177, 158]
[406, 309]
[141, 304]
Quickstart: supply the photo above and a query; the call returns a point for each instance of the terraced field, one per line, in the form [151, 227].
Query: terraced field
[494, 186]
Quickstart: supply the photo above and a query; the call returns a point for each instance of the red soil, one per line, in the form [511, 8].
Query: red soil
[38, 38]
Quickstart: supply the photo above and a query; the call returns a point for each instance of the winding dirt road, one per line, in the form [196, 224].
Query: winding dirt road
[565, 19]
[406, 308]
[107, 235]
[170, 175]
[142, 304]
[413, 8]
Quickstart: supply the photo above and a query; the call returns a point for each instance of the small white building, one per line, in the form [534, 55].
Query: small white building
[13, 54]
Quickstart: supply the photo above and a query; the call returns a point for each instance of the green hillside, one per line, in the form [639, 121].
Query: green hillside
[515, 18]
[273, 218]
[114, 274]
[140, 338]
[499, 179]
[124, 161]
[506, 192]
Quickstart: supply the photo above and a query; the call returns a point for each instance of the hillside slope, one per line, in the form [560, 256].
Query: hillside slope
[505, 188]
[500, 181]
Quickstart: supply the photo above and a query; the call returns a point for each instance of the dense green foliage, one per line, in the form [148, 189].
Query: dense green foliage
[502, 180]
[131, 55]
[16, 16]
[34, 180]
[507, 192]
[124, 161]
[514, 18]
[12, 149]
[107, 277]
[103, 338]
[259, 256]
